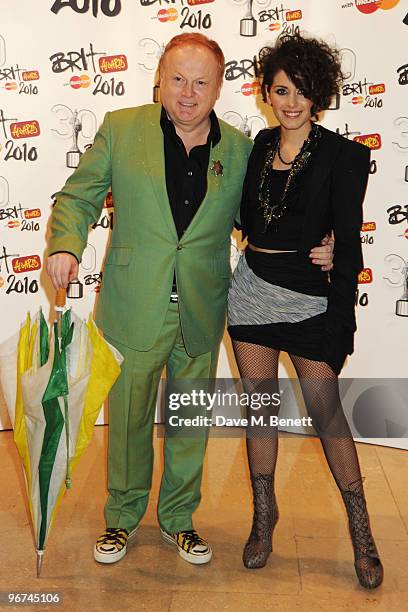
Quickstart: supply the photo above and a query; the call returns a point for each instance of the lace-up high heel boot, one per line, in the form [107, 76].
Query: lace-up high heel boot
[266, 514]
[367, 562]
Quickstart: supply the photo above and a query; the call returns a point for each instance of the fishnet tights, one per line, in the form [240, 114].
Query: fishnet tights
[258, 366]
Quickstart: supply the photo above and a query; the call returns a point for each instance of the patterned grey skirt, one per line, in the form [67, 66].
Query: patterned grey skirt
[268, 314]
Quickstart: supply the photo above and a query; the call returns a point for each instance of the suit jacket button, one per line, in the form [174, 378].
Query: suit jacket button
[179, 247]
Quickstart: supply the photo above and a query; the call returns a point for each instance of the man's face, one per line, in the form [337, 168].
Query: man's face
[190, 84]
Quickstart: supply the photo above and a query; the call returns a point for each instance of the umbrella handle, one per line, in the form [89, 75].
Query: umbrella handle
[60, 299]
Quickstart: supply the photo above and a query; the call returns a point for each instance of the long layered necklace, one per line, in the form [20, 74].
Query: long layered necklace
[274, 211]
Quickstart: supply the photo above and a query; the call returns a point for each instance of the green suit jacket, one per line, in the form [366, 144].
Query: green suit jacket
[128, 155]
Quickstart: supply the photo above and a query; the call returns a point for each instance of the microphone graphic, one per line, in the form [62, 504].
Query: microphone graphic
[247, 25]
[74, 154]
[75, 290]
[401, 307]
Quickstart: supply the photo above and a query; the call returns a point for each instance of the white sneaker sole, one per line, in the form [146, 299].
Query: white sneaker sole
[189, 557]
[102, 557]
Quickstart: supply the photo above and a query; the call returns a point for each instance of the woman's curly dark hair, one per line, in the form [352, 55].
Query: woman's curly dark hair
[311, 64]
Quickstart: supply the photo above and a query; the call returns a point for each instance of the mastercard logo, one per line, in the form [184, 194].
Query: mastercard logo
[78, 82]
[370, 6]
[274, 26]
[357, 100]
[251, 89]
[10, 86]
[365, 276]
[13, 223]
[170, 14]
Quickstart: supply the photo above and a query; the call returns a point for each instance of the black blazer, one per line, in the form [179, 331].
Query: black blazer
[333, 191]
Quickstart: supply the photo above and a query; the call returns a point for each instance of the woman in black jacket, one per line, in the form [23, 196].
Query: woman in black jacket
[303, 181]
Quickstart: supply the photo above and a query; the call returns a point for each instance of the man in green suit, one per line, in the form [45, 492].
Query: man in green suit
[176, 173]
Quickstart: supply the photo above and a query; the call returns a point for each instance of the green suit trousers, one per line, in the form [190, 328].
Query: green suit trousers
[132, 404]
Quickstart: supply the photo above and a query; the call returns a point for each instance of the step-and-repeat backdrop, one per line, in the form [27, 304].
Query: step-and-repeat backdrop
[64, 63]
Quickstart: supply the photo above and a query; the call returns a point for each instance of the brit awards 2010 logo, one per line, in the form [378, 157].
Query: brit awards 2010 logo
[14, 78]
[87, 59]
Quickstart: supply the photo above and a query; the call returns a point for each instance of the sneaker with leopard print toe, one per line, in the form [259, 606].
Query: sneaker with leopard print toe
[190, 546]
[111, 546]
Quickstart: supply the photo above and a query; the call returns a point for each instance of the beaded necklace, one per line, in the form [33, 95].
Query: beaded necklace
[274, 212]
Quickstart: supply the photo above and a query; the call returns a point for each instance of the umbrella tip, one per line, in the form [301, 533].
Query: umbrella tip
[40, 554]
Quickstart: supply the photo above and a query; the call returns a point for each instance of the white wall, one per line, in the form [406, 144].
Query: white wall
[374, 42]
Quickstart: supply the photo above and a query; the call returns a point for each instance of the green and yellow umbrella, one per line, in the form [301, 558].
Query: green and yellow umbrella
[63, 378]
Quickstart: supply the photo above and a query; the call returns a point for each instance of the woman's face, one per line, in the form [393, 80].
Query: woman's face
[289, 105]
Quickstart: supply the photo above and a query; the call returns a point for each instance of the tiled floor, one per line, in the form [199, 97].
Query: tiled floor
[311, 568]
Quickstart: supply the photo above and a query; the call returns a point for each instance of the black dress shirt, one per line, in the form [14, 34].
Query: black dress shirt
[186, 175]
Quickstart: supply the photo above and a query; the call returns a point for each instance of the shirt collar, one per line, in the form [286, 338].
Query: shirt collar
[214, 135]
